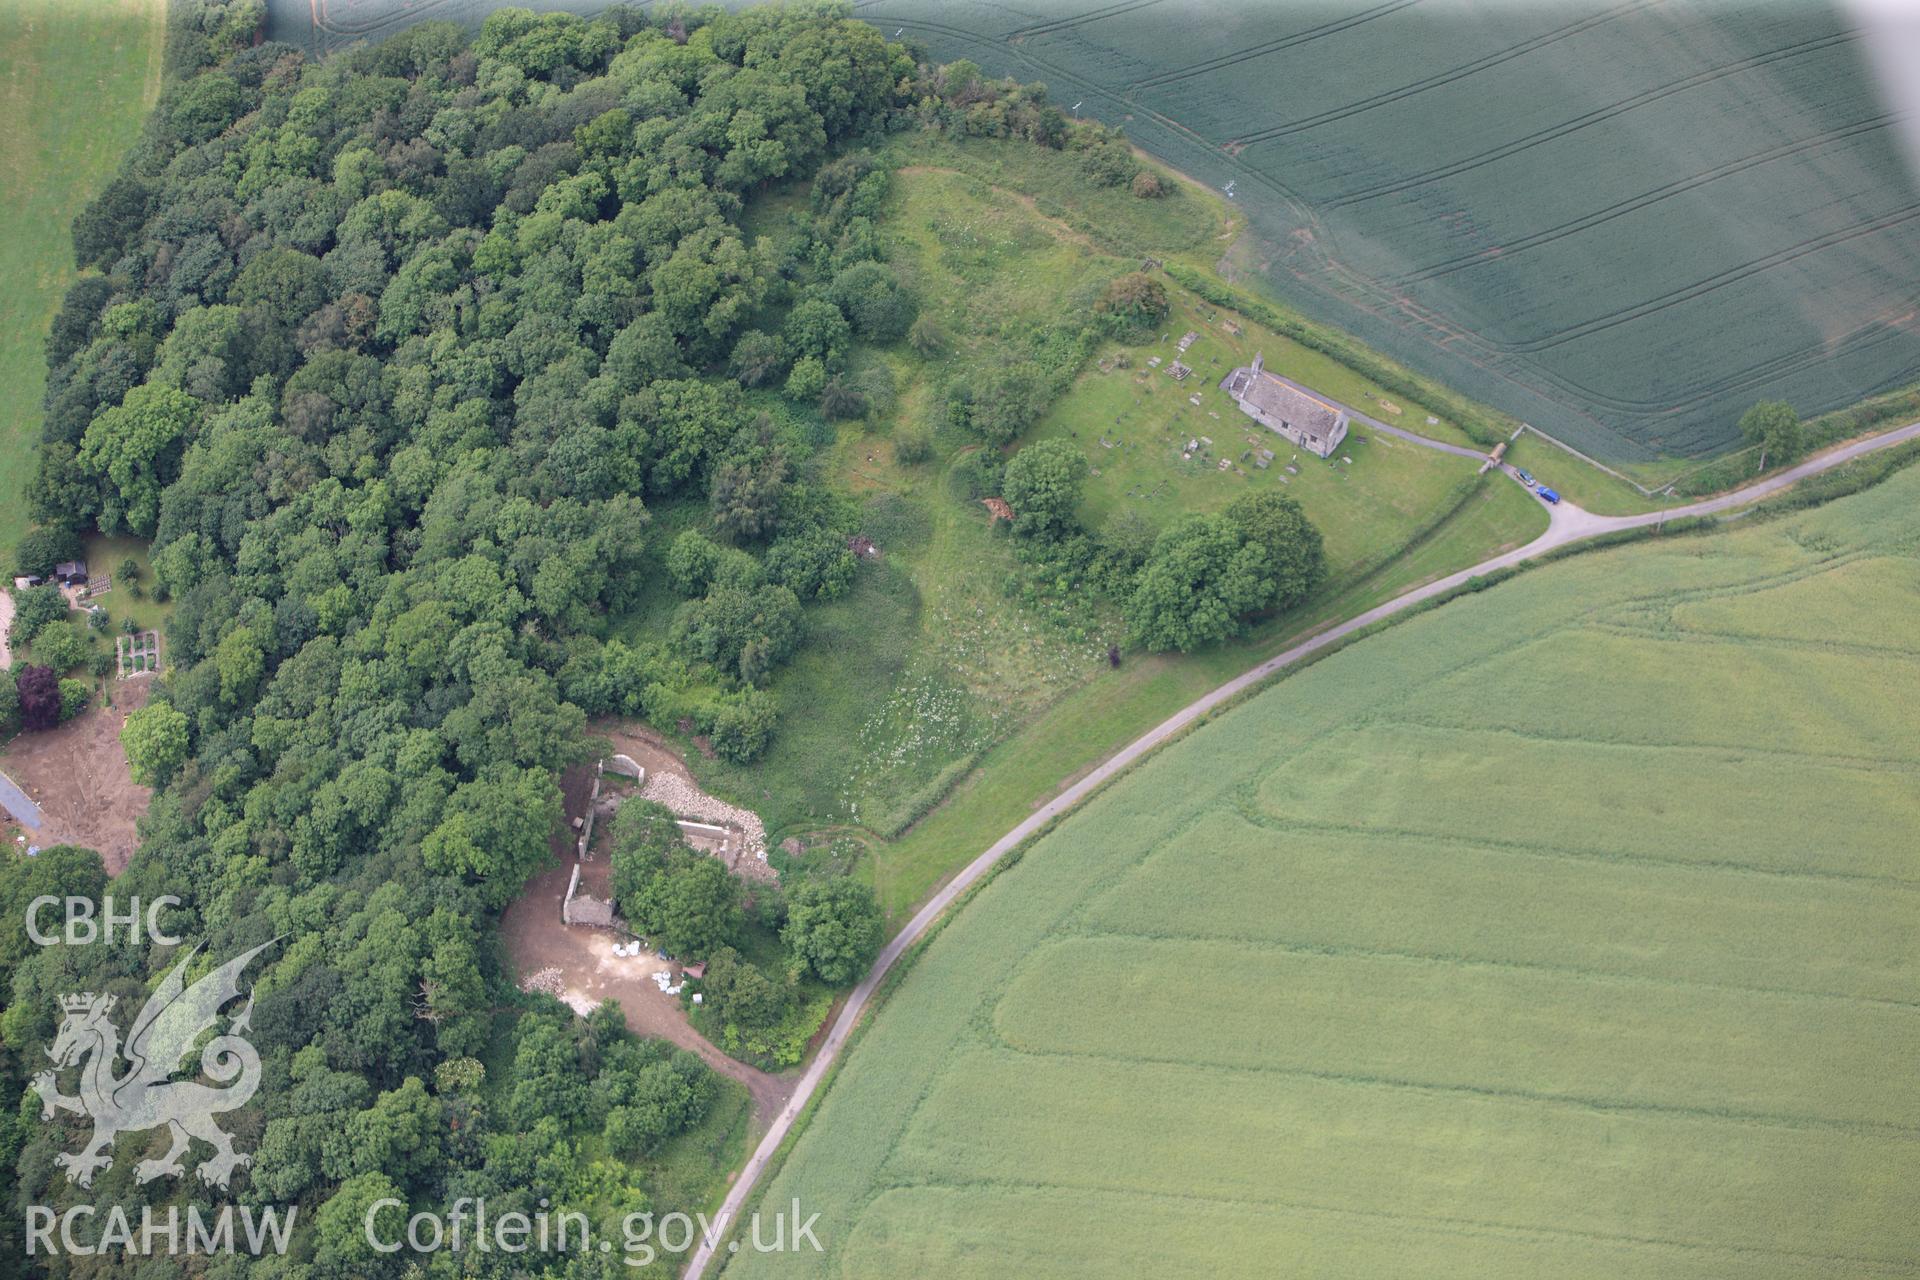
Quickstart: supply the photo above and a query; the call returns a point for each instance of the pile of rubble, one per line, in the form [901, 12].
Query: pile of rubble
[689, 801]
[552, 982]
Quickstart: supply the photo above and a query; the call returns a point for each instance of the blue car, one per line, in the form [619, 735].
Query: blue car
[1547, 494]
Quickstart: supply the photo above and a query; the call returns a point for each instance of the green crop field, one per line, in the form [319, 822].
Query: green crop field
[52, 161]
[1567, 930]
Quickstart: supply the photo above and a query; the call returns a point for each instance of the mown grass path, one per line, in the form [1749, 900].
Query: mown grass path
[1569, 525]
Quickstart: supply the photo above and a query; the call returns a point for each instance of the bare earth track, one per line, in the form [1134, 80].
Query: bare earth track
[536, 940]
[77, 774]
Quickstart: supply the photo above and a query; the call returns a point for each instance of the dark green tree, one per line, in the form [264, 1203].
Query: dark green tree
[1006, 402]
[1042, 486]
[740, 993]
[744, 633]
[1295, 553]
[698, 906]
[743, 725]
[156, 741]
[834, 927]
[872, 297]
[495, 831]
[40, 549]
[814, 564]
[746, 494]
[759, 359]
[1775, 428]
[817, 328]
[135, 446]
[1198, 585]
[35, 609]
[1135, 297]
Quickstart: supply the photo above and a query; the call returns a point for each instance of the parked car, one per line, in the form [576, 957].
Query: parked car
[1526, 478]
[1547, 494]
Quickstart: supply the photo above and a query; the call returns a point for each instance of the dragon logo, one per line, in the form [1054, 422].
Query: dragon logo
[169, 1025]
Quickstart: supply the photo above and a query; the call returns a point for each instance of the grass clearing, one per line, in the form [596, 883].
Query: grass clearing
[930, 705]
[1134, 422]
[107, 555]
[1412, 965]
[52, 161]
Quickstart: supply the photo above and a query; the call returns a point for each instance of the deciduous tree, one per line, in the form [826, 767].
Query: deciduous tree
[39, 690]
[1775, 427]
[1136, 297]
[1295, 554]
[136, 445]
[1042, 486]
[1198, 585]
[155, 737]
[834, 928]
[697, 905]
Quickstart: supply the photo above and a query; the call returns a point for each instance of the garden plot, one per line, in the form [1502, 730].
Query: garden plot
[138, 654]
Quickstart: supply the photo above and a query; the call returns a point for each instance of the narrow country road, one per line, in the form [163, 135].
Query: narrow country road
[1569, 524]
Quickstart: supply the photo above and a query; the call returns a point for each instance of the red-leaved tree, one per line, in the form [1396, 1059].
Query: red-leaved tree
[39, 697]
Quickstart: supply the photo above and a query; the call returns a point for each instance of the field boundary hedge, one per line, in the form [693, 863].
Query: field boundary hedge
[1842, 481]
[1828, 429]
[1483, 424]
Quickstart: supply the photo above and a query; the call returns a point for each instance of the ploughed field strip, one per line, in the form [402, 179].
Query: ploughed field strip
[1567, 930]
